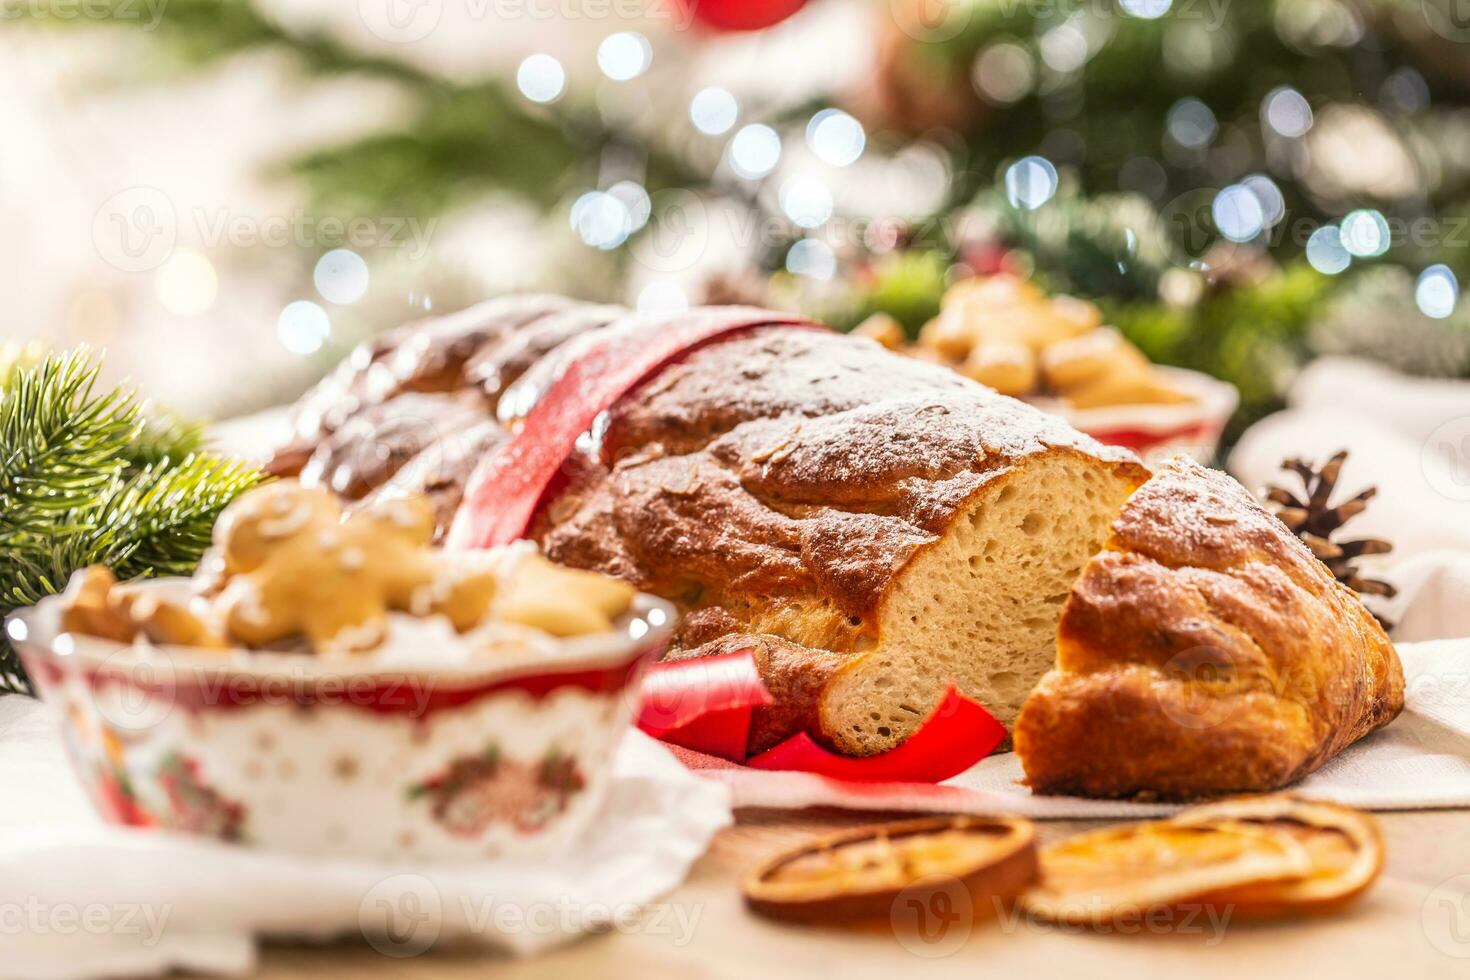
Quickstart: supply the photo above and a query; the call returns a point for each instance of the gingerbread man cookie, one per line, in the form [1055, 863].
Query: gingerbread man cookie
[293, 564]
[96, 604]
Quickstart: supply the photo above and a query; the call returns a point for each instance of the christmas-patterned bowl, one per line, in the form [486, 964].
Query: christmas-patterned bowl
[1157, 432]
[430, 758]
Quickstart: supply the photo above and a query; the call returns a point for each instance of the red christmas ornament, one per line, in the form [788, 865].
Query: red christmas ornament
[741, 15]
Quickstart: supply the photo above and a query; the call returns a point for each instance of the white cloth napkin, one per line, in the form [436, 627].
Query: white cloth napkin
[79, 899]
[1421, 761]
[1409, 437]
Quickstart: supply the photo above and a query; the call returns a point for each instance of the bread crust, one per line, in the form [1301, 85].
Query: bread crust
[768, 482]
[777, 483]
[1204, 651]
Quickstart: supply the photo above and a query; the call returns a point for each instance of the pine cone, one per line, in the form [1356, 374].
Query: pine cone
[1315, 521]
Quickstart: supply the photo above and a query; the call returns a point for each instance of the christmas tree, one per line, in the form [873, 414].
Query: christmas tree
[1212, 174]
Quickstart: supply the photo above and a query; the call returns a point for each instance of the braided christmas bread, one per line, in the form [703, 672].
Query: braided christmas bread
[874, 528]
[1205, 650]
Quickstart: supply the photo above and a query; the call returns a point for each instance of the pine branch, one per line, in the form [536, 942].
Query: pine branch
[165, 436]
[159, 521]
[86, 479]
[59, 444]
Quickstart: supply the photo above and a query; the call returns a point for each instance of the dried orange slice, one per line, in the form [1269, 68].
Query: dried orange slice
[1136, 870]
[858, 874]
[1344, 845]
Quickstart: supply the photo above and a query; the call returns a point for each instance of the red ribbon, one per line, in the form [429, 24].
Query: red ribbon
[703, 704]
[507, 486]
[1141, 440]
[956, 735]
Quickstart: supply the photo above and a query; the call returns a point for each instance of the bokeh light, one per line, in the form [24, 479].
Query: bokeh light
[1064, 47]
[303, 327]
[341, 276]
[635, 198]
[836, 137]
[1365, 233]
[812, 258]
[713, 111]
[1031, 182]
[1191, 123]
[1437, 292]
[1238, 213]
[1273, 204]
[1325, 251]
[1004, 73]
[601, 220]
[624, 56]
[1146, 9]
[755, 151]
[541, 78]
[186, 284]
[806, 200]
[1286, 111]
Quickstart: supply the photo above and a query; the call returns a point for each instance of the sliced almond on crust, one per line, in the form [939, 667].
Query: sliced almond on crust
[1344, 845]
[1138, 869]
[857, 875]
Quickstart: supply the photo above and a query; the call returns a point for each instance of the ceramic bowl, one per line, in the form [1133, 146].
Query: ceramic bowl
[507, 753]
[1157, 432]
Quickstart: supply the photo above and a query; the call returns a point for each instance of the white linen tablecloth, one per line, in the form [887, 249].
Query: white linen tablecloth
[1420, 761]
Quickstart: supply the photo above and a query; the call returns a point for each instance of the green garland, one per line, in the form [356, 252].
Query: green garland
[89, 477]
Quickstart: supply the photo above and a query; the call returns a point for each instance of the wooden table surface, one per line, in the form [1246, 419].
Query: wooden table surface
[1414, 923]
